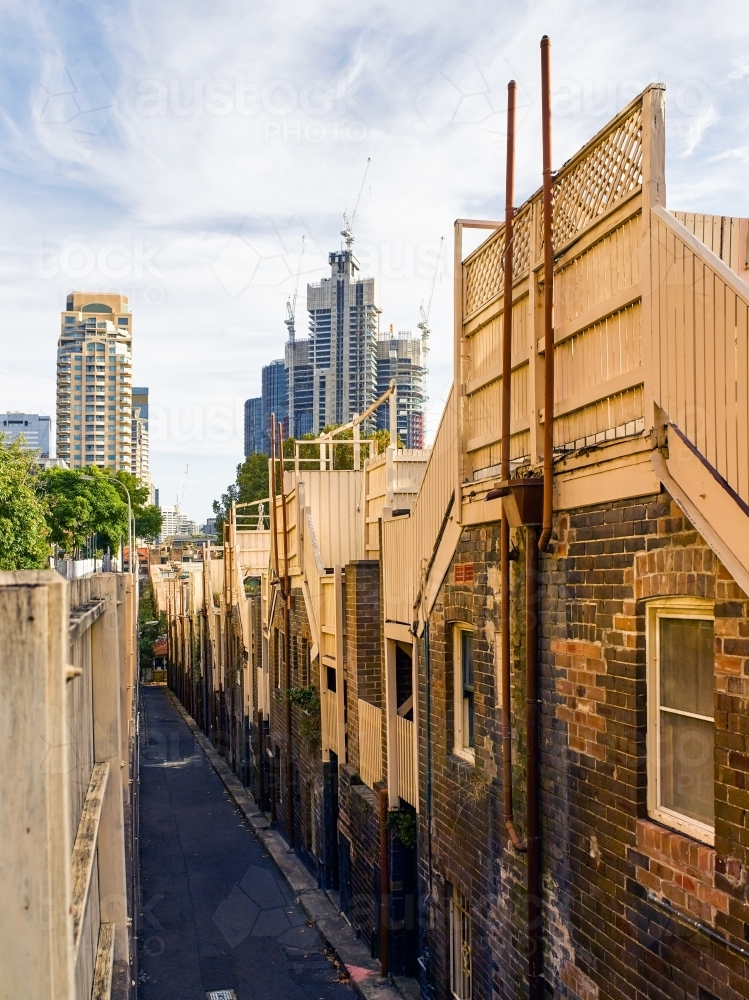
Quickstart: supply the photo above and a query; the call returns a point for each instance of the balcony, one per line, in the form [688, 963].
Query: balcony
[407, 784]
[370, 743]
[330, 721]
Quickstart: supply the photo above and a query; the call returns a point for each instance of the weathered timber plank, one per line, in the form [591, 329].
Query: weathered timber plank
[84, 849]
[83, 617]
[102, 985]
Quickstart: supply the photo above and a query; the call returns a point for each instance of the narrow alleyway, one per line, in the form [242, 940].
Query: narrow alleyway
[216, 913]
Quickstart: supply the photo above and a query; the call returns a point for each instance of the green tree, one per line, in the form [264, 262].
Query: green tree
[85, 502]
[23, 528]
[251, 484]
[148, 521]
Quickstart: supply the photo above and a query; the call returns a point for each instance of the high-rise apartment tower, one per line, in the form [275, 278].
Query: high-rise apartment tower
[275, 399]
[140, 459]
[94, 379]
[335, 371]
[253, 426]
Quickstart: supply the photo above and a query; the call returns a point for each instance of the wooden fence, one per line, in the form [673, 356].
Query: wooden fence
[370, 743]
[69, 748]
[407, 786]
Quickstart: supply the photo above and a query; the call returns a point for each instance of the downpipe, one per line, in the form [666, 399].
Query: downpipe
[533, 824]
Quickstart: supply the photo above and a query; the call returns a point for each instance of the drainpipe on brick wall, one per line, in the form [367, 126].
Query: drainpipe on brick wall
[504, 537]
[548, 193]
[272, 781]
[384, 886]
[533, 830]
[261, 762]
[286, 595]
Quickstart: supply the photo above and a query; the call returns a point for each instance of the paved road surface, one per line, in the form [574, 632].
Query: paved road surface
[216, 913]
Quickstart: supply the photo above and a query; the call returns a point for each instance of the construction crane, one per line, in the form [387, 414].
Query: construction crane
[348, 231]
[181, 494]
[424, 324]
[290, 321]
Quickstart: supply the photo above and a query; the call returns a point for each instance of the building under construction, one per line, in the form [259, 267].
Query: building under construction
[401, 357]
[494, 692]
[334, 373]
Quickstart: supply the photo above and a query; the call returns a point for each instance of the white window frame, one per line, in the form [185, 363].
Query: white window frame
[668, 607]
[460, 930]
[460, 741]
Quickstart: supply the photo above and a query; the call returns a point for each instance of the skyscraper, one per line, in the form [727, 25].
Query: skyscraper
[94, 377]
[401, 357]
[275, 399]
[33, 426]
[341, 350]
[253, 426]
[140, 459]
[302, 379]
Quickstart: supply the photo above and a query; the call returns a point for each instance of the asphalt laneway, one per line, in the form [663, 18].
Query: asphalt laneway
[216, 913]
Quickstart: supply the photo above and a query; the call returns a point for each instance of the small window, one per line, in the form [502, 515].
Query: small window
[464, 692]
[681, 728]
[461, 964]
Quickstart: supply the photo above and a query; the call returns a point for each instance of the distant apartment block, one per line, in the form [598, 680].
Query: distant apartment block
[300, 373]
[33, 427]
[174, 522]
[401, 357]
[275, 399]
[253, 426]
[94, 380]
[139, 436]
[335, 371]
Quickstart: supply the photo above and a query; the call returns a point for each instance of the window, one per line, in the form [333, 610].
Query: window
[460, 946]
[680, 715]
[464, 694]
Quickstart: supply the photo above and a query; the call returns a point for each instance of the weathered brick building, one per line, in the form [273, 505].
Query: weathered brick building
[520, 759]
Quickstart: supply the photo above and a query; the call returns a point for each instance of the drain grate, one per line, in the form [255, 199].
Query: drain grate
[221, 995]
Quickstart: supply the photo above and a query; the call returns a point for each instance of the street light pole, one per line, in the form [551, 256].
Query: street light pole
[130, 531]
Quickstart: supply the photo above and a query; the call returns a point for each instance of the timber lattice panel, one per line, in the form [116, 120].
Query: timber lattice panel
[610, 172]
[484, 273]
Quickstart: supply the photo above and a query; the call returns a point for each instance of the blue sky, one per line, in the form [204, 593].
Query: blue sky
[178, 152]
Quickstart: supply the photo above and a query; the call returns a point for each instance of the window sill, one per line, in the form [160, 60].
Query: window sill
[679, 869]
[676, 823]
[464, 755]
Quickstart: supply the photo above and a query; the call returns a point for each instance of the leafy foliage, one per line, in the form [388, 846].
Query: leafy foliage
[83, 502]
[251, 484]
[308, 700]
[151, 626]
[148, 523]
[403, 824]
[23, 528]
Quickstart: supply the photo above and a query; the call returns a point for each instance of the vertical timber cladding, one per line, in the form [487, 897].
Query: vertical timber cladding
[619, 889]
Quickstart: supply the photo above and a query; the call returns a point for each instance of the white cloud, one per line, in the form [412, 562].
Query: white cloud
[420, 87]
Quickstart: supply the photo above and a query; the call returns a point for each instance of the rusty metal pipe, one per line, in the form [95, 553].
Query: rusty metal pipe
[261, 761]
[504, 538]
[533, 831]
[286, 595]
[384, 886]
[272, 492]
[548, 194]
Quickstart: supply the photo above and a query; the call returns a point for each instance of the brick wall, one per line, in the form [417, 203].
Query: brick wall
[307, 767]
[358, 818]
[606, 865]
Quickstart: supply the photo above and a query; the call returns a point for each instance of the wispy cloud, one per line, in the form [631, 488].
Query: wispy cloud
[221, 134]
